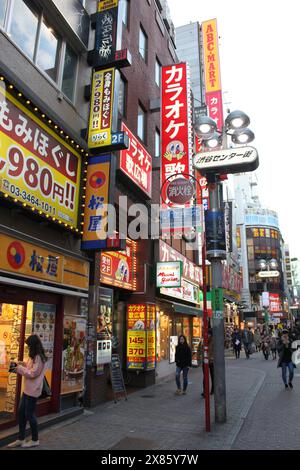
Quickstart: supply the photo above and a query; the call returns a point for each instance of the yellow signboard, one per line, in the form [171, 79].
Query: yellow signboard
[102, 98]
[37, 167]
[33, 261]
[107, 4]
[136, 349]
[211, 56]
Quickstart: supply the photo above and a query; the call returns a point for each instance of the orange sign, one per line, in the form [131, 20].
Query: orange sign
[211, 56]
[34, 261]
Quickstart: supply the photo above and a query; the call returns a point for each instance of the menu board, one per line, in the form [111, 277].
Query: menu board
[73, 356]
[43, 325]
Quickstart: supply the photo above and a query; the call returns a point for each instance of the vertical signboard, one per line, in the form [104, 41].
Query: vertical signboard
[97, 197]
[141, 337]
[176, 123]
[106, 34]
[212, 71]
[101, 110]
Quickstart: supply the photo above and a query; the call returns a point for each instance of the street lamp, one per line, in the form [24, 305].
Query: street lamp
[206, 129]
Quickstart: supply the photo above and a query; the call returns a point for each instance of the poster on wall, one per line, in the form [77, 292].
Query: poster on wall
[43, 325]
[73, 356]
[118, 268]
[173, 344]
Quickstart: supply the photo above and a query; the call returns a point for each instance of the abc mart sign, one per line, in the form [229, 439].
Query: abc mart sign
[228, 161]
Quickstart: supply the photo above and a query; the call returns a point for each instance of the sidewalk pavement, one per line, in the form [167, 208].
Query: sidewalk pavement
[156, 418]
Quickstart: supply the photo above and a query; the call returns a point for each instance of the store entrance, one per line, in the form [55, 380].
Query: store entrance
[11, 318]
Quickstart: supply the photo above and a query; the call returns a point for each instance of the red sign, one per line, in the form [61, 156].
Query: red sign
[274, 303]
[179, 191]
[215, 107]
[176, 122]
[136, 163]
[119, 268]
[190, 271]
[231, 280]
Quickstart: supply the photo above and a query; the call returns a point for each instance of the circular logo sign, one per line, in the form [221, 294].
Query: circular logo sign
[16, 255]
[97, 179]
[180, 191]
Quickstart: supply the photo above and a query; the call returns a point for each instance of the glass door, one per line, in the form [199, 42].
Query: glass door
[11, 316]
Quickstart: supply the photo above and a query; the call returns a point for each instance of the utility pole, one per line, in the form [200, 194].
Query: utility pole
[215, 256]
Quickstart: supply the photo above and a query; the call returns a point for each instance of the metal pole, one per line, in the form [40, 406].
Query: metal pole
[205, 341]
[218, 323]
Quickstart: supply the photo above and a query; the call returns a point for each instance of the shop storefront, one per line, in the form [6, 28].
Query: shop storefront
[42, 291]
[178, 311]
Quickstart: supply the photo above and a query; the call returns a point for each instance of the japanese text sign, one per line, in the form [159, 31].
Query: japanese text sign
[176, 122]
[190, 271]
[102, 97]
[37, 167]
[136, 163]
[274, 303]
[169, 274]
[96, 200]
[212, 71]
[119, 268]
[241, 159]
[107, 4]
[141, 336]
[105, 36]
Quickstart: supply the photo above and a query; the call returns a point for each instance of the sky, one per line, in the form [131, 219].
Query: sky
[260, 73]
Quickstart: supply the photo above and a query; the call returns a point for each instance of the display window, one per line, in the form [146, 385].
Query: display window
[18, 320]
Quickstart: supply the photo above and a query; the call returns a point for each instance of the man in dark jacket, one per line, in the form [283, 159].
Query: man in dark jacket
[247, 338]
[183, 359]
[285, 352]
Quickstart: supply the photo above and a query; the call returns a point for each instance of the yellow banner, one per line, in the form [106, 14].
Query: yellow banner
[37, 167]
[97, 193]
[33, 261]
[211, 56]
[107, 4]
[101, 108]
[136, 349]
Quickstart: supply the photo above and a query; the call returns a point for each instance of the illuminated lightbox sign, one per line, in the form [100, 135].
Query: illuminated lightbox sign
[169, 274]
[237, 160]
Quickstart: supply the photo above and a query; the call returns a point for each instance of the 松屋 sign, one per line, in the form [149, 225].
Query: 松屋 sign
[169, 274]
[237, 160]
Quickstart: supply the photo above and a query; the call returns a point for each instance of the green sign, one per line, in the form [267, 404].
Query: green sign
[217, 299]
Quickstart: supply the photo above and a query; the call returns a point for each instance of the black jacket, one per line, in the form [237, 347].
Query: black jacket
[281, 348]
[183, 356]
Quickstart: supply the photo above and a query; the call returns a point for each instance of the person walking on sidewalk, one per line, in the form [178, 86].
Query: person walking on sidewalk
[285, 358]
[257, 339]
[273, 345]
[210, 361]
[33, 372]
[237, 342]
[247, 338]
[183, 359]
[266, 345]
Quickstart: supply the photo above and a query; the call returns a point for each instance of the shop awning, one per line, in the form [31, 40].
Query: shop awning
[187, 310]
[230, 298]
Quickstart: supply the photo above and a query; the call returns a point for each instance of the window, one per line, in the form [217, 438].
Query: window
[122, 97]
[143, 44]
[69, 74]
[48, 51]
[24, 26]
[126, 10]
[28, 28]
[157, 72]
[2, 11]
[141, 128]
[157, 143]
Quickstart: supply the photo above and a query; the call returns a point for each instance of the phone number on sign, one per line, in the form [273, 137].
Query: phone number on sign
[31, 199]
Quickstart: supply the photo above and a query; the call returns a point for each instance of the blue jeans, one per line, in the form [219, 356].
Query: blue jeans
[290, 367]
[185, 377]
[27, 413]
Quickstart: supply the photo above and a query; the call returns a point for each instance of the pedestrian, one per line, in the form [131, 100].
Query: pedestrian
[237, 342]
[183, 359]
[210, 362]
[33, 372]
[257, 340]
[247, 338]
[266, 344]
[273, 345]
[285, 358]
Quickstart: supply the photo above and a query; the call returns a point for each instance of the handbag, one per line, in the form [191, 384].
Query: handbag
[46, 390]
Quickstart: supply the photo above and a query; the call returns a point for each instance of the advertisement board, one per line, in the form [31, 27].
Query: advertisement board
[169, 274]
[176, 132]
[73, 355]
[188, 292]
[136, 163]
[104, 350]
[190, 271]
[37, 167]
[118, 268]
[141, 336]
[101, 109]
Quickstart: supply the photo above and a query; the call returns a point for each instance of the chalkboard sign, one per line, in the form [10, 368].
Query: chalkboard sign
[116, 375]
